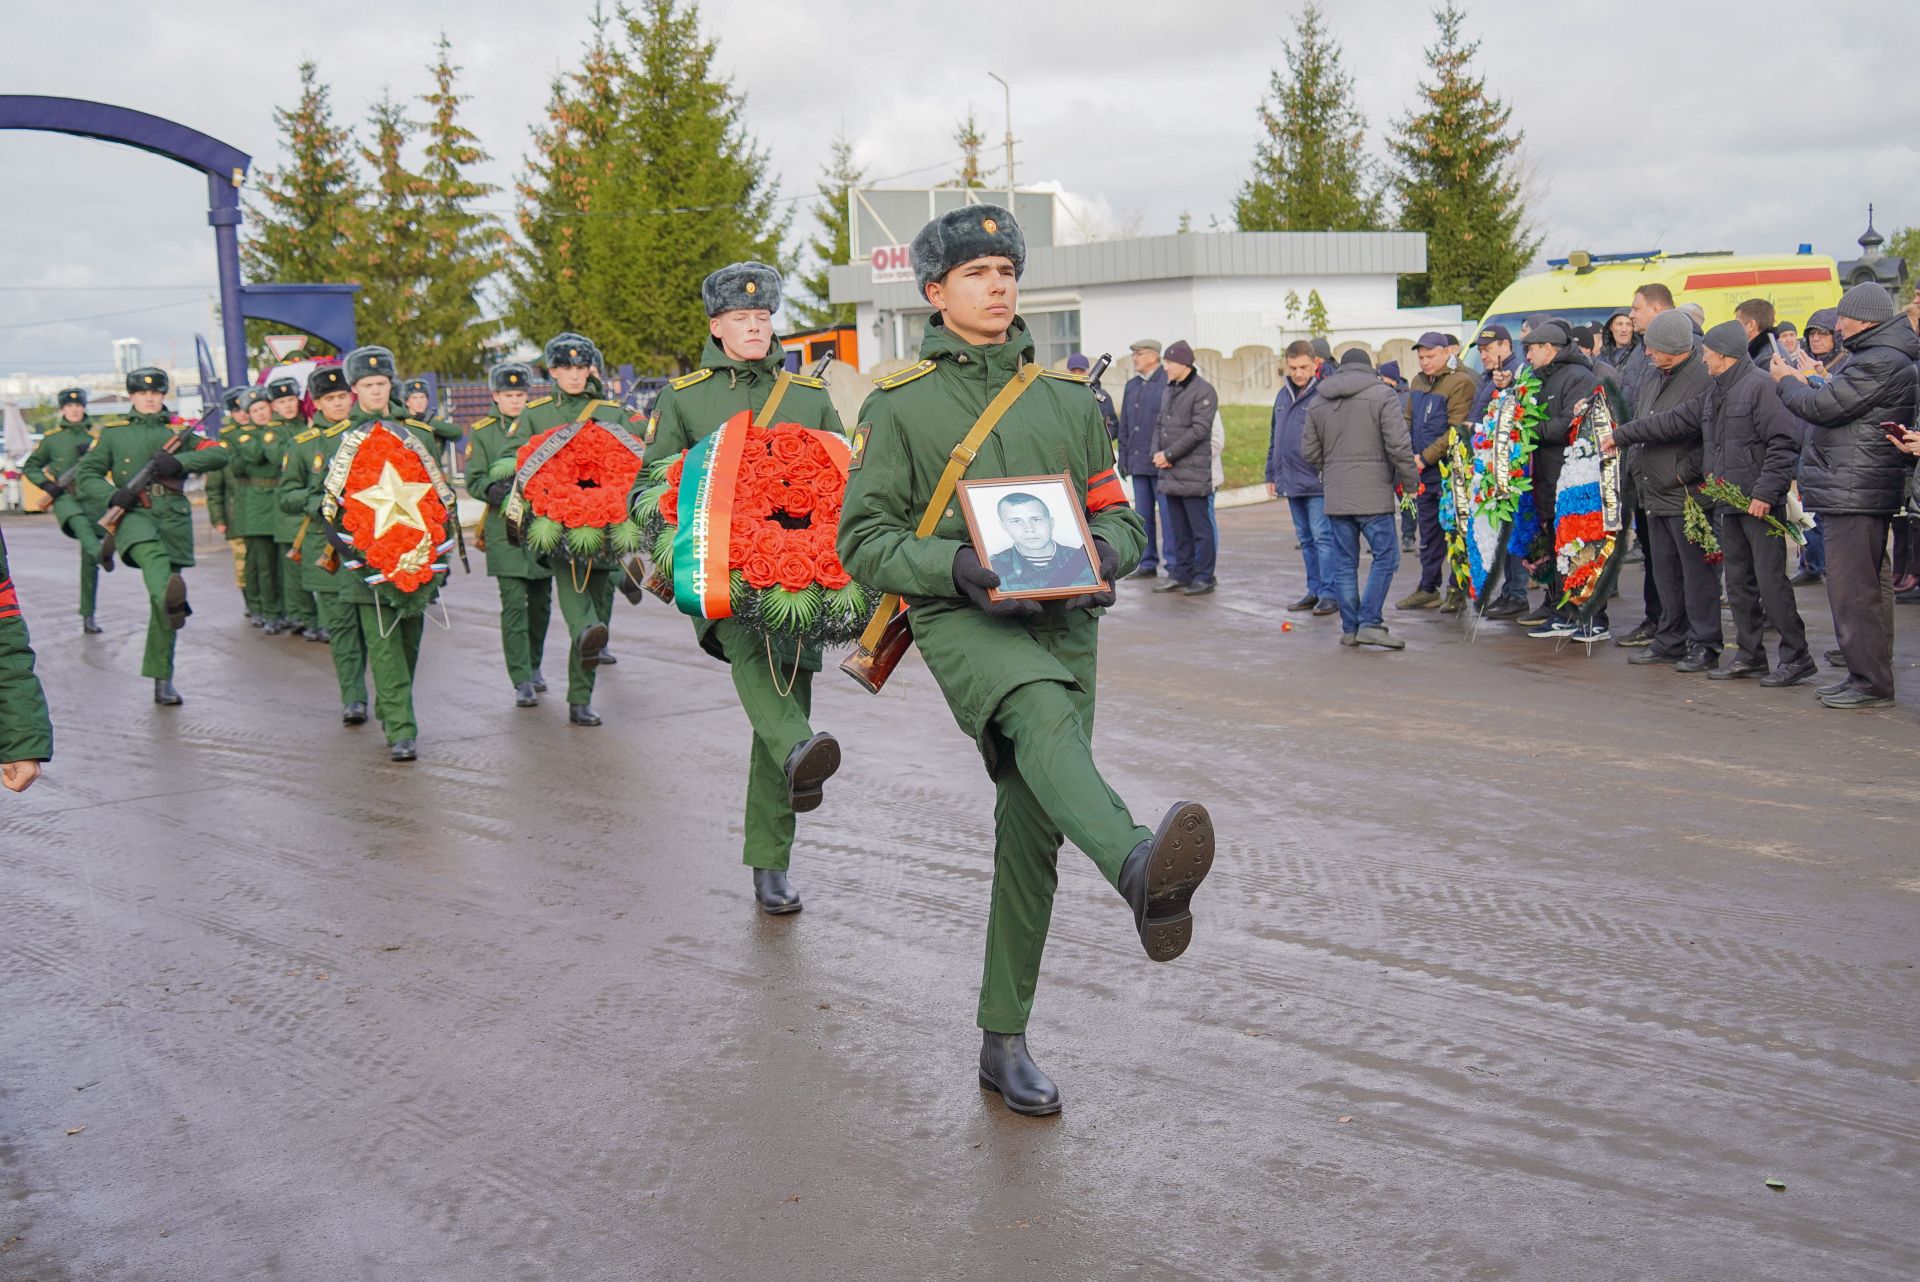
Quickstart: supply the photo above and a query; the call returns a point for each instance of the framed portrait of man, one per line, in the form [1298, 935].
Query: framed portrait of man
[1032, 532]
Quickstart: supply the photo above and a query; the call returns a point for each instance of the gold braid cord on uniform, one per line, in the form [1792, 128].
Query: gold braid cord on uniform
[957, 464]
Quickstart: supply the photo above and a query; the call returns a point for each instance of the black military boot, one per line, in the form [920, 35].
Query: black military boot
[525, 696]
[539, 682]
[402, 750]
[319, 634]
[1006, 1067]
[88, 626]
[354, 714]
[809, 766]
[582, 714]
[176, 603]
[274, 627]
[165, 695]
[256, 621]
[593, 645]
[1160, 876]
[774, 895]
[607, 658]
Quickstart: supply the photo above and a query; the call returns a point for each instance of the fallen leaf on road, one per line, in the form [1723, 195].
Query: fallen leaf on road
[75, 1130]
[1778, 1186]
[1346, 1119]
[794, 1198]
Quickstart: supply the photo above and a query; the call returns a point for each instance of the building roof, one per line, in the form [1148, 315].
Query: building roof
[1181, 256]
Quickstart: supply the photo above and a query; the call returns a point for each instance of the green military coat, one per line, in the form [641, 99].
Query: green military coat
[553, 411]
[26, 731]
[286, 524]
[57, 451]
[219, 509]
[907, 431]
[691, 407]
[253, 476]
[492, 440]
[299, 498]
[166, 517]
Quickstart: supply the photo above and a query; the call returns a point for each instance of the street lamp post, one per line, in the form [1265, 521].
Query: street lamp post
[1007, 93]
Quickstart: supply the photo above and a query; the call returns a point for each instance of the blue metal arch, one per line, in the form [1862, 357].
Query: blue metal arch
[323, 310]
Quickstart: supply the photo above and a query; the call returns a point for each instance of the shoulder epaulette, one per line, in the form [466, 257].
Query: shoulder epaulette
[610, 405]
[414, 422]
[488, 421]
[114, 422]
[901, 377]
[339, 427]
[306, 436]
[542, 401]
[1066, 374]
[685, 381]
[807, 380]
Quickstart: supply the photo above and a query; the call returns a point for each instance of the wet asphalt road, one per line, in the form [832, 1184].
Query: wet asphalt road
[1514, 964]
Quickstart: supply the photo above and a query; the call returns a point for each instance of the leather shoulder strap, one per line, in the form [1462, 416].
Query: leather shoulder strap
[780, 385]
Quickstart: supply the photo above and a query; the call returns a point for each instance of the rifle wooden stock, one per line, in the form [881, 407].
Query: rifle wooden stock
[872, 663]
[111, 518]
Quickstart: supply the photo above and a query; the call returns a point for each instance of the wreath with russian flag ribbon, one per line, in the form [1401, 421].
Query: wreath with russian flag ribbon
[386, 500]
[742, 526]
[1587, 515]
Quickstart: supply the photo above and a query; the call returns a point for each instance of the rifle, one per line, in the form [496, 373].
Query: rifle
[111, 518]
[1093, 384]
[65, 479]
[299, 537]
[459, 530]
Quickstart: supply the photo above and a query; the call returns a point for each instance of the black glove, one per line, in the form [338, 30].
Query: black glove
[168, 467]
[973, 579]
[498, 491]
[1109, 570]
[126, 500]
[53, 489]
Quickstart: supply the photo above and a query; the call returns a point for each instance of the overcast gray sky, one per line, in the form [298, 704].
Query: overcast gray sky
[1751, 126]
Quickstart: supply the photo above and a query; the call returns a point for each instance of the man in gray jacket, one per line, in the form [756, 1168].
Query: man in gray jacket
[1183, 459]
[1357, 437]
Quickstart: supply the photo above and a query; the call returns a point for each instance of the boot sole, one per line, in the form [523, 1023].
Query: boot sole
[1025, 1110]
[593, 642]
[782, 910]
[1180, 860]
[819, 761]
[175, 603]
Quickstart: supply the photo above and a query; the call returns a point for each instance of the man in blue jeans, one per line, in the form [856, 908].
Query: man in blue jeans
[1356, 435]
[1290, 477]
[1139, 411]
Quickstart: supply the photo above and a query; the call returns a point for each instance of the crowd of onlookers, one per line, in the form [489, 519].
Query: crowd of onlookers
[1804, 433]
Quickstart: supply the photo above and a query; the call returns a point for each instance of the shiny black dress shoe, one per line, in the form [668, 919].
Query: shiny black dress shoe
[582, 714]
[1006, 1067]
[165, 695]
[593, 645]
[354, 714]
[402, 750]
[525, 696]
[88, 626]
[809, 766]
[539, 682]
[771, 891]
[1160, 876]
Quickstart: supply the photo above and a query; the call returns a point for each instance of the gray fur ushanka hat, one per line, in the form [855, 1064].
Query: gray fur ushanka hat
[962, 235]
[741, 287]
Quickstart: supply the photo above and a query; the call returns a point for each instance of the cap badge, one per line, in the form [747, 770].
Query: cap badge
[752, 288]
[148, 377]
[988, 226]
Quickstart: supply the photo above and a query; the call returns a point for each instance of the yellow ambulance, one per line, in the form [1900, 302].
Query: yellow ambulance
[1585, 288]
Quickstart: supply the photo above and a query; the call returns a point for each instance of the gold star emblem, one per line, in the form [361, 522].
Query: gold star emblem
[988, 226]
[394, 501]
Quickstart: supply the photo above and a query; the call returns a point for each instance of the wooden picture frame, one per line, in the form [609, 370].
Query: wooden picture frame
[1070, 571]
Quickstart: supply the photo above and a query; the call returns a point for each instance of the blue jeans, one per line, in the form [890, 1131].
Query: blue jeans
[1191, 548]
[1146, 499]
[1357, 611]
[1316, 542]
[1813, 553]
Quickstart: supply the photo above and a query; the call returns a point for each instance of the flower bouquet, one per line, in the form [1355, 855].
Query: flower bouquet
[743, 525]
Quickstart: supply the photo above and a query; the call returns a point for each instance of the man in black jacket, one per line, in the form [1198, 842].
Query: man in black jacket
[1183, 458]
[1139, 411]
[1687, 618]
[1854, 478]
[1749, 439]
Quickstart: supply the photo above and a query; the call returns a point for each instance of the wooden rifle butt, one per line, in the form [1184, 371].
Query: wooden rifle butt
[872, 668]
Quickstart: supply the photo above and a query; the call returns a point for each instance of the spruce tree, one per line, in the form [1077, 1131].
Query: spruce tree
[1458, 178]
[967, 136]
[1310, 172]
[467, 249]
[387, 250]
[301, 215]
[644, 181]
[832, 242]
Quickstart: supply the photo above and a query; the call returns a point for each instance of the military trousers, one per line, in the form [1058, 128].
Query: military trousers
[778, 700]
[393, 654]
[1047, 789]
[586, 598]
[296, 601]
[346, 646]
[239, 549]
[156, 568]
[526, 607]
[262, 584]
[83, 529]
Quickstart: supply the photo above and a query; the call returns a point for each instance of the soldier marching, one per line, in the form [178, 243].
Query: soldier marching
[54, 466]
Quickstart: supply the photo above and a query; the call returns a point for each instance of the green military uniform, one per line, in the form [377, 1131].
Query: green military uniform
[58, 452]
[219, 498]
[157, 533]
[26, 731]
[524, 580]
[300, 493]
[1022, 688]
[392, 622]
[584, 586]
[253, 477]
[687, 412]
[298, 605]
